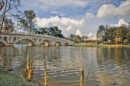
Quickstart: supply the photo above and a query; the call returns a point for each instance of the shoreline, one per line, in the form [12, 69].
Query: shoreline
[13, 79]
[99, 45]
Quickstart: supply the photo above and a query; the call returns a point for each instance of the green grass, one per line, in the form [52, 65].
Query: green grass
[11, 79]
[98, 45]
[83, 44]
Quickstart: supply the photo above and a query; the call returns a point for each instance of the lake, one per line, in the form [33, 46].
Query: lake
[103, 66]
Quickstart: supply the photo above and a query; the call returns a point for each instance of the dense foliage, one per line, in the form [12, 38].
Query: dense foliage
[114, 34]
[78, 38]
[52, 31]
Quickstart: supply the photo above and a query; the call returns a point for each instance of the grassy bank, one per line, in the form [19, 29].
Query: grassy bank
[11, 79]
[99, 45]
[83, 44]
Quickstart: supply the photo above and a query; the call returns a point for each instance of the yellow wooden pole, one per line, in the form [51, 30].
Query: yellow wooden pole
[45, 75]
[81, 76]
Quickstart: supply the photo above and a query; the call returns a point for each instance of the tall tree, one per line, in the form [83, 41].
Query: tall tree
[111, 33]
[27, 21]
[77, 38]
[53, 31]
[72, 37]
[114, 34]
[5, 7]
[101, 32]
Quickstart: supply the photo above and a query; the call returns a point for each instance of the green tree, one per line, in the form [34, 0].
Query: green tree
[77, 38]
[53, 31]
[72, 37]
[27, 22]
[111, 33]
[8, 25]
[128, 36]
[101, 32]
[121, 33]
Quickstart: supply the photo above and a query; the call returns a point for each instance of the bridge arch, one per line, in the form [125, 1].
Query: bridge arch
[66, 44]
[46, 42]
[30, 40]
[58, 43]
[2, 42]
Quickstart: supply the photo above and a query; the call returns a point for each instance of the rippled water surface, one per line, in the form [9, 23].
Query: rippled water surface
[102, 66]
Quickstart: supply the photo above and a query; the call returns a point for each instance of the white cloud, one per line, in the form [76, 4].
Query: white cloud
[69, 28]
[109, 10]
[92, 36]
[120, 22]
[106, 10]
[89, 15]
[67, 25]
[78, 32]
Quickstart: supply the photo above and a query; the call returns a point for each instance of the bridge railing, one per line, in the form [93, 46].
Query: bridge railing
[33, 34]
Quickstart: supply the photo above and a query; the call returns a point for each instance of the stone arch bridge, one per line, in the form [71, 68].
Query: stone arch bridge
[9, 39]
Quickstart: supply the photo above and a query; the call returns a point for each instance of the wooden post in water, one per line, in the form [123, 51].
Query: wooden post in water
[81, 76]
[27, 64]
[28, 70]
[45, 75]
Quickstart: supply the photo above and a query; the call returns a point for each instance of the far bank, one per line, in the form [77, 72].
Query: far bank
[99, 45]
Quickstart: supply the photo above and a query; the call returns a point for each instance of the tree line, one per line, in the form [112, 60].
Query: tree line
[114, 34]
[78, 38]
[24, 21]
[53, 31]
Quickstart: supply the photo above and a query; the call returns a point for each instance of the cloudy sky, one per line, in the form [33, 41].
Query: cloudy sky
[80, 17]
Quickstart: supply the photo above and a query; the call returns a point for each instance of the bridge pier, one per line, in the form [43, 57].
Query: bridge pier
[10, 45]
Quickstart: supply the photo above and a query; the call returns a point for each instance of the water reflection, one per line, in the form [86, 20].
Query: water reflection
[114, 68]
[60, 66]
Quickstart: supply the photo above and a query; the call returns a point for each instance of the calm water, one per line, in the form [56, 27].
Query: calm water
[102, 66]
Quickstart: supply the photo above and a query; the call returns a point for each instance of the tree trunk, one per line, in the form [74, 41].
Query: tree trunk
[3, 17]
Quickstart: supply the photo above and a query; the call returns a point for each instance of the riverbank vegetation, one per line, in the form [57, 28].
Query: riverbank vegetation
[10, 79]
[114, 34]
[99, 45]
